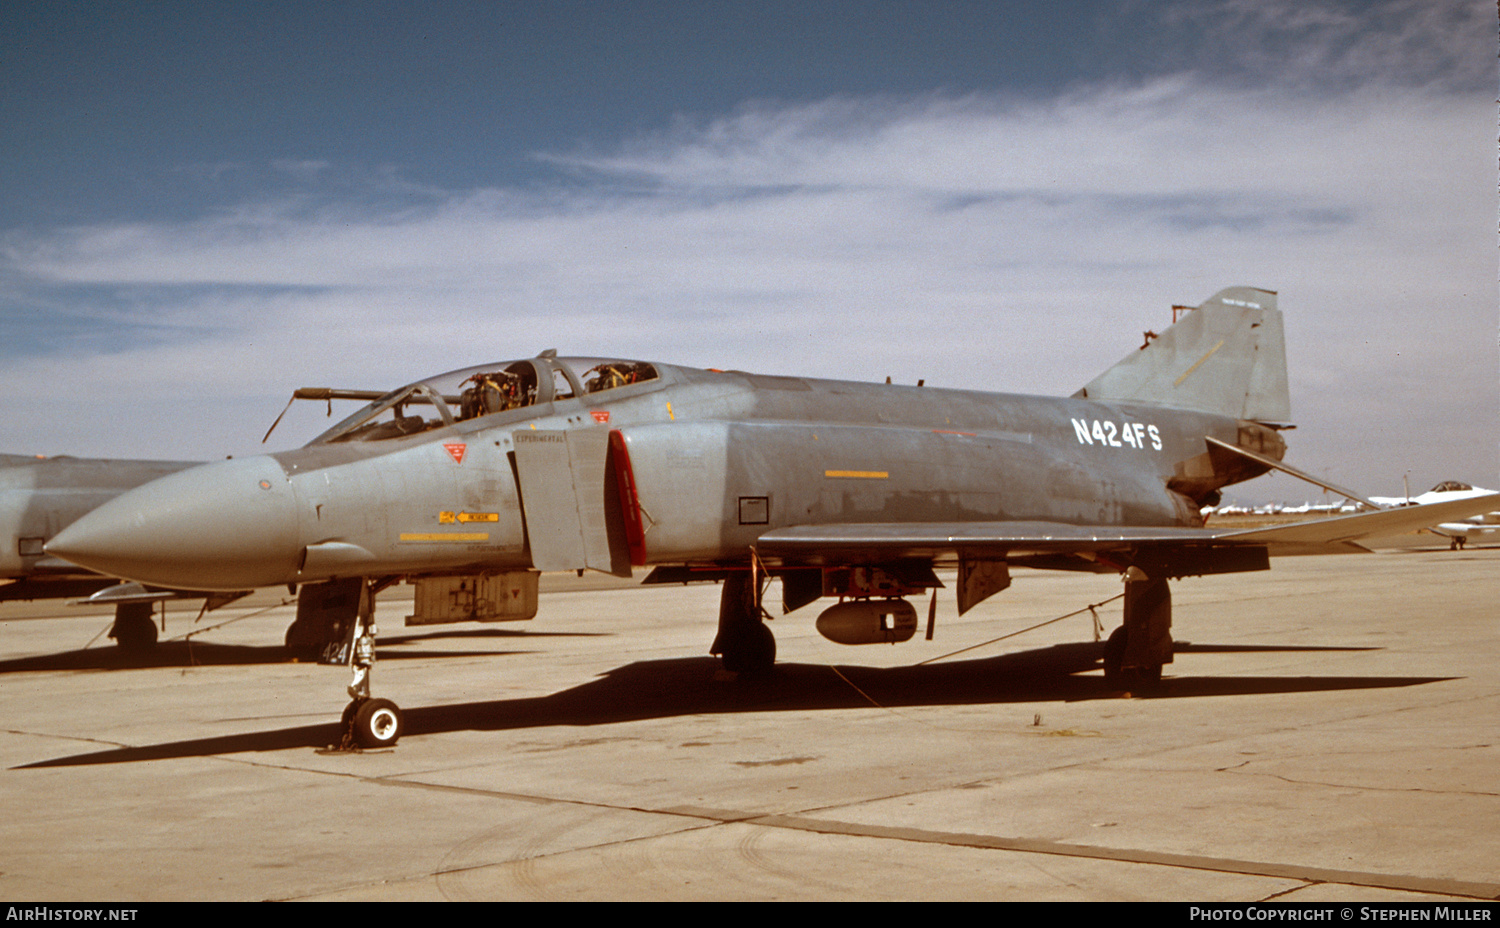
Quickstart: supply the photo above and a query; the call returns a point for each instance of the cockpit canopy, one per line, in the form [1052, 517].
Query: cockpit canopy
[485, 390]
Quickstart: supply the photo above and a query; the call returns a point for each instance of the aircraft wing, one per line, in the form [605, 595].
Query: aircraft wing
[1342, 529]
[851, 542]
[856, 541]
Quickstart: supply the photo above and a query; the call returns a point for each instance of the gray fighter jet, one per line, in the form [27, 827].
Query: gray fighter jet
[39, 496]
[470, 483]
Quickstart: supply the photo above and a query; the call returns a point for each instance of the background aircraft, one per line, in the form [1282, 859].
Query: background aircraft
[40, 496]
[1478, 529]
[470, 483]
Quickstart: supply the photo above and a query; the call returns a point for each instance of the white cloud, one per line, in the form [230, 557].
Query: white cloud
[1442, 44]
[974, 242]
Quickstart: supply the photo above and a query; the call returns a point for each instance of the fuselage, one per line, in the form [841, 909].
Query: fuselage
[40, 496]
[704, 462]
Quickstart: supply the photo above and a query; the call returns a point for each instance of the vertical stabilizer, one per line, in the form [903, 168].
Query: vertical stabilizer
[1228, 356]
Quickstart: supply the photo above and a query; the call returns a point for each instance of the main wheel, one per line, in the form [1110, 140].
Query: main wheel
[376, 723]
[1116, 673]
[752, 651]
[1114, 654]
[134, 628]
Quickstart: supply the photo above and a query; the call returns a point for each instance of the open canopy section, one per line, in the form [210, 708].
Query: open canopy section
[473, 392]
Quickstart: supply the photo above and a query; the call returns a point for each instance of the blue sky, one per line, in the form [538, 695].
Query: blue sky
[207, 205]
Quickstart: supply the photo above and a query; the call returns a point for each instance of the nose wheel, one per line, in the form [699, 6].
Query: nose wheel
[373, 723]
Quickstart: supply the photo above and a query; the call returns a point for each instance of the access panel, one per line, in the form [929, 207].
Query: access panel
[570, 498]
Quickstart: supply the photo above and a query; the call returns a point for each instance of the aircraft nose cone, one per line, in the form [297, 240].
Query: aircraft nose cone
[230, 525]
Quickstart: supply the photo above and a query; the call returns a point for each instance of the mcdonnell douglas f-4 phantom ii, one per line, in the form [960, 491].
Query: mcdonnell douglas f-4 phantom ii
[39, 496]
[470, 483]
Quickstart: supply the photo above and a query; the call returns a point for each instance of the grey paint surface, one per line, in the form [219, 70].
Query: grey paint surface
[40, 496]
[722, 462]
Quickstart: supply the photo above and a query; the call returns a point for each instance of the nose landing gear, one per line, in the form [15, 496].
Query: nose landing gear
[367, 722]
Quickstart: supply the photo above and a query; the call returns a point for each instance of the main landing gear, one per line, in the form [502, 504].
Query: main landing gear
[1137, 650]
[1133, 656]
[135, 628]
[744, 643]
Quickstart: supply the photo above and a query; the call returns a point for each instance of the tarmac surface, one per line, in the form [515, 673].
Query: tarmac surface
[1330, 730]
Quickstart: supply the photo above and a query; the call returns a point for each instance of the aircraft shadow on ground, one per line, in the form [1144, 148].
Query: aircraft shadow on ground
[692, 686]
[180, 652]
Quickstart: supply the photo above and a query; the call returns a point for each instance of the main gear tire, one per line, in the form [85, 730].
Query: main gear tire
[1120, 676]
[751, 651]
[134, 630]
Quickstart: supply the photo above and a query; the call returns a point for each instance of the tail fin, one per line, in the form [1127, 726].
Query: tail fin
[1228, 356]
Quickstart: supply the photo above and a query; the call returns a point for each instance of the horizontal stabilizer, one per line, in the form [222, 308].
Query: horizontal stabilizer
[1367, 524]
[127, 592]
[1286, 468]
[132, 592]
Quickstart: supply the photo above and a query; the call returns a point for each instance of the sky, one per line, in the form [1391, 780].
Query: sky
[206, 205]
